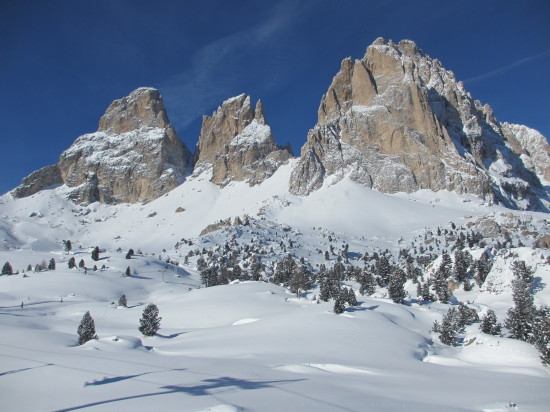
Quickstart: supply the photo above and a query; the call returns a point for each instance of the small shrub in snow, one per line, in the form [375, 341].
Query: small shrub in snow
[71, 262]
[128, 271]
[95, 254]
[122, 301]
[51, 264]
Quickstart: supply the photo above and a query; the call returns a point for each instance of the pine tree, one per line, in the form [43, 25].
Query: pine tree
[68, 246]
[541, 334]
[81, 264]
[7, 269]
[384, 269]
[489, 323]
[339, 304]
[351, 299]
[396, 288]
[86, 329]
[299, 280]
[441, 277]
[150, 320]
[51, 264]
[521, 316]
[128, 271]
[450, 327]
[324, 290]
[72, 262]
[122, 301]
[482, 268]
[467, 315]
[426, 293]
[95, 254]
[368, 284]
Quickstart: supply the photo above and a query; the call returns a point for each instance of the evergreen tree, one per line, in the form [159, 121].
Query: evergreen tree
[482, 268]
[368, 284]
[396, 288]
[351, 299]
[461, 266]
[128, 271]
[68, 246]
[209, 276]
[51, 264]
[383, 270]
[122, 301]
[324, 290]
[284, 270]
[489, 323]
[467, 315]
[72, 262]
[441, 277]
[299, 280]
[450, 327]
[339, 304]
[150, 320]
[95, 254]
[81, 264]
[521, 316]
[426, 293]
[7, 269]
[86, 329]
[541, 334]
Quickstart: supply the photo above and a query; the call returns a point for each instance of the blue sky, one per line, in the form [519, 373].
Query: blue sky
[63, 62]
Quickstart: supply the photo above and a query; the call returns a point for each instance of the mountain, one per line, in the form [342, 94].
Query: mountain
[236, 142]
[397, 121]
[134, 156]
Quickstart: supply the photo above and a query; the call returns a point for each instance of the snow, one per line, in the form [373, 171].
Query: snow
[247, 345]
[254, 133]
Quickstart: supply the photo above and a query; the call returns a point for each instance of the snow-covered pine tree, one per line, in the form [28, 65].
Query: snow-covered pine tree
[489, 323]
[324, 290]
[128, 271]
[150, 320]
[95, 254]
[441, 277]
[7, 269]
[383, 269]
[368, 284]
[521, 316]
[71, 263]
[299, 281]
[450, 327]
[351, 299]
[482, 268]
[541, 334]
[51, 264]
[467, 315]
[122, 301]
[86, 329]
[396, 287]
[81, 264]
[339, 304]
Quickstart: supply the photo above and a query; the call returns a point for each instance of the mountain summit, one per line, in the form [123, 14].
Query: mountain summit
[237, 143]
[134, 156]
[397, 121]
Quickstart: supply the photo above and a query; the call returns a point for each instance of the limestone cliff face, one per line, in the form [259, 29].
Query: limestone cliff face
[396, 120]
[237, 143]
[134, 156]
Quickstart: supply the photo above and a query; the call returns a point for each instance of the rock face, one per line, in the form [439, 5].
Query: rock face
[397, 121]
[237, 143]
[134, 156]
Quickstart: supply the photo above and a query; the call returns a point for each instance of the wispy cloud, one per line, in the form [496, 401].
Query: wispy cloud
[507, 67]
[216, 69]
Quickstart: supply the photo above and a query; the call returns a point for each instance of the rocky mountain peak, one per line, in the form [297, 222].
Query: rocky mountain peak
[237, 143]
[396, 120]
[134, 156]
[142, 108]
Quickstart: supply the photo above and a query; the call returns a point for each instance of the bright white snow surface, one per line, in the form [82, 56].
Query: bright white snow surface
[244, 346]
[248, 346]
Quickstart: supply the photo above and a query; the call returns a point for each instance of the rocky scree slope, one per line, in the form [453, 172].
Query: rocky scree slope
[134, 156]
[397, 121]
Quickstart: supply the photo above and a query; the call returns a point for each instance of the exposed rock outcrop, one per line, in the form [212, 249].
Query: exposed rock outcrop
[134, 156]
[396, 120]
[238, 144]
